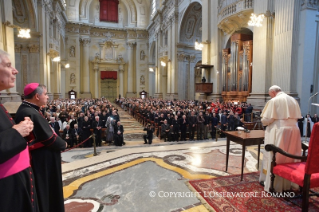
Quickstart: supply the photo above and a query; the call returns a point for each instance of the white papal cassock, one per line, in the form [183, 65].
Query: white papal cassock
[280, 116]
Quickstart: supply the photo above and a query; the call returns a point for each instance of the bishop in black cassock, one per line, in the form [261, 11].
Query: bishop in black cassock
[45, 150]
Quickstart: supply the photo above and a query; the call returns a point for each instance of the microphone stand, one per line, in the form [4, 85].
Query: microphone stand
[309, 115]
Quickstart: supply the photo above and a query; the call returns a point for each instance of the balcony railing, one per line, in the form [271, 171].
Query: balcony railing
[231, 7]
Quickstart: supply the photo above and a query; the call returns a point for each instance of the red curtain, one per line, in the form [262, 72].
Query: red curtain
[109, 10]
[109, 75]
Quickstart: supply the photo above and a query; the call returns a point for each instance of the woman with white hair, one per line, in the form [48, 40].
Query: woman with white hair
[110, 129]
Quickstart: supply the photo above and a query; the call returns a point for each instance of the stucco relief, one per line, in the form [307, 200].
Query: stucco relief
[19, 12]
[72, 78]
[72, 51]
[142, 55]
[191, 24]
[142, 80]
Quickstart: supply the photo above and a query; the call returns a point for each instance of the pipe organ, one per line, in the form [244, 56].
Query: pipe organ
[237, 68]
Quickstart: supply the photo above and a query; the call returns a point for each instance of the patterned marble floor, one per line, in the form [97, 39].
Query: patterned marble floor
[126, 179]
[138, 177]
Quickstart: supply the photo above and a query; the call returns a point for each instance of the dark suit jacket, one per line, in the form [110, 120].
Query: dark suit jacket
[164, 128]
[78, 131]
[182, 124]
[56, 127]
[96, 124]
[118, 128]
[223, 119]
[70, 132]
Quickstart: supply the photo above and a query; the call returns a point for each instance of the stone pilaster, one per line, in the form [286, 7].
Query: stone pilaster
[130, 73]
[85, 72]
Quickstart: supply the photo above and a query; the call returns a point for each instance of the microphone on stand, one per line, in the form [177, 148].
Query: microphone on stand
[309, 101]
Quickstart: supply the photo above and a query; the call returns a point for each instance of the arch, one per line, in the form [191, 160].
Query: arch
[73, 9]
[191, 23]
[94, 17]
[24, 14]
[246, 31]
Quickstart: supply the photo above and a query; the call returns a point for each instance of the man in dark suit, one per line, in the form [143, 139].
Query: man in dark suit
[224, 123]
[214, 121]
[183, 126]
[165, 128]
[200, 126]
[55, 125]
[192, 121]
[97, 130]
[118, 134]
[68, 135]
[315, 119]
[77, 134]
[149, 134]
[72, 122]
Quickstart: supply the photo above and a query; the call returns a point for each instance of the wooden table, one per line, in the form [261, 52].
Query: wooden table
[255, 137]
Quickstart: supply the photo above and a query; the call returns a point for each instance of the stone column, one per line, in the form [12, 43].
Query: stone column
[63, 77]
[57, 80]
[96, 80]
[191, 90]
[174, 63]
[169, 79]
[262, 54]
[158, 90]
[85, 72]
[151, 79]
[181, 80]
[286, 44]
[130, 73]
[307, 56]
[121, 76]
[48, 74]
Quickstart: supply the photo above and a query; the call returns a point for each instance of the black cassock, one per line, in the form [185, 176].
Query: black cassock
[45, 159]
[17, 190]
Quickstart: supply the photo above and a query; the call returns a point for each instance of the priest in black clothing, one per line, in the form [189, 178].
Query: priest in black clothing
[183, 126]
[45, 150]
[16, 176]
[118, 134]
[97, 130]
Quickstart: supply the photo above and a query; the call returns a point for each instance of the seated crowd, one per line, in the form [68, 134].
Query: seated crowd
[174, 120]
[76, 120]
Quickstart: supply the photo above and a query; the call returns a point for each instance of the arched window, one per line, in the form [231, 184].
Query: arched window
[153, 7]
[109, 10]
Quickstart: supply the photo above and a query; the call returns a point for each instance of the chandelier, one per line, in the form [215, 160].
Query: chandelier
[198, 46]
[256, 20]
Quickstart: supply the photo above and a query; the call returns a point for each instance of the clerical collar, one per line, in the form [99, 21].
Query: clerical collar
[31, 105]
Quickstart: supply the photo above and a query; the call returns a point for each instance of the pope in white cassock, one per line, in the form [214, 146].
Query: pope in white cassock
[280, 115]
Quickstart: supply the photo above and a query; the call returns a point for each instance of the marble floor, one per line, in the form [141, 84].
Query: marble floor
[138, 177]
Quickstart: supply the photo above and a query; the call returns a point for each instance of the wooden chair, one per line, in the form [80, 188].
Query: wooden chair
[305, 173]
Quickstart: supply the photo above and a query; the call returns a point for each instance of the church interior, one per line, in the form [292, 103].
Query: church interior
[202, 50]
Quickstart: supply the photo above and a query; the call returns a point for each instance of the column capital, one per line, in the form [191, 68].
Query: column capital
[309, 4]
[192, 58]
[181, 57]
[130, 45]
[33, 48]
[85, 41]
